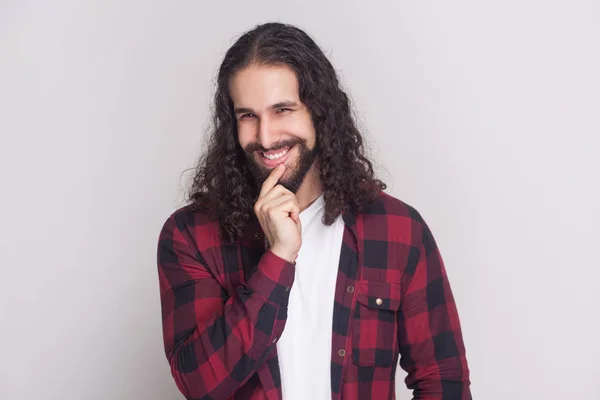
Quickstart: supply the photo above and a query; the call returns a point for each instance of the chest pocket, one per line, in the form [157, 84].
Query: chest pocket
[374, 326]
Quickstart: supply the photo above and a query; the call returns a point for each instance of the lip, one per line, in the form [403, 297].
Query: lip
[273, 163]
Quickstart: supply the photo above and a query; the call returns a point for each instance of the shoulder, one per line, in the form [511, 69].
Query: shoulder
[386, 204]
[398, 217]
[193, 222]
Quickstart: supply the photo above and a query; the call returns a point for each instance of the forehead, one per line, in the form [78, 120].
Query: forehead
[261, 86]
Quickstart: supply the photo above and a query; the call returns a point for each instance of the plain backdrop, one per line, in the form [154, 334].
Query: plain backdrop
[484, 115]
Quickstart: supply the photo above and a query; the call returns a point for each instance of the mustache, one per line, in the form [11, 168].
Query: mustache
[252, 147]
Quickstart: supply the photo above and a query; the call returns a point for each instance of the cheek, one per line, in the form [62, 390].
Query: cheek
[313, 138]
[244, 135]
[308, 130]
[310, 136]
[292, 160]
[300, 128]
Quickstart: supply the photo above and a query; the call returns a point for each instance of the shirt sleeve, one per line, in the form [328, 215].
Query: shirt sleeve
[429, 334]
[214, 343]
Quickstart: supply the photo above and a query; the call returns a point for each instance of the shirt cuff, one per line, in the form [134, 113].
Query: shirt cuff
[273, 278]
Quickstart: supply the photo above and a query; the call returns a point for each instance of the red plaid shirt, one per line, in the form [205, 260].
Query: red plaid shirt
[225, 306]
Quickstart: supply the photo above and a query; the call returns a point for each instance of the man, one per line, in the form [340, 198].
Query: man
[291, 274]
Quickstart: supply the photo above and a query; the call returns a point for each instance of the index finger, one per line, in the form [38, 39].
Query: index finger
[272, 180]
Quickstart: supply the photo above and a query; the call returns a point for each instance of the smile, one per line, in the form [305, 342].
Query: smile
[276, 155]
[273, 158]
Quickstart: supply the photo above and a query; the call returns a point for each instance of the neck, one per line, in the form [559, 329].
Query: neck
[310, 189]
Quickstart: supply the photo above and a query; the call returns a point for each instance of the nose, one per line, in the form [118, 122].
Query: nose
[266, 133]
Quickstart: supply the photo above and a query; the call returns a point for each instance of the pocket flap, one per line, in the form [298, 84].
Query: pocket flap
[379, 295]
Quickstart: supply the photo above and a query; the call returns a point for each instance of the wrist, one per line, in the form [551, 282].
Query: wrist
[285, 255]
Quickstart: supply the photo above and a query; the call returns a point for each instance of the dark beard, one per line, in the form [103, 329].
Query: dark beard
[292, 183]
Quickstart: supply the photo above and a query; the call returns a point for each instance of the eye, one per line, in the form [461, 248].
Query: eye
[247, 115]
[280, 110]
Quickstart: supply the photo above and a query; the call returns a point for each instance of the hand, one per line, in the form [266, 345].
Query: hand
[278, 212]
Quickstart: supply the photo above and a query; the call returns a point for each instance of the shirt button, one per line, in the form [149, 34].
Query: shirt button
[342, 352]
[350, 289]
[379, 302]
[256, 236]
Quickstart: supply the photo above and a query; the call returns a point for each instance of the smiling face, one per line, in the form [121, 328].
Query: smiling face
[273, 125]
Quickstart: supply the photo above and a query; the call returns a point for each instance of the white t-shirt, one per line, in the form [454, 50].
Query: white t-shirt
[304, 348]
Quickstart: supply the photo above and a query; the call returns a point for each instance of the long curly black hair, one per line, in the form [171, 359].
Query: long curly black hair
[223, 185]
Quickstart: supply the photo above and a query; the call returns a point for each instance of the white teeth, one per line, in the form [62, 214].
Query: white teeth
[276, 155]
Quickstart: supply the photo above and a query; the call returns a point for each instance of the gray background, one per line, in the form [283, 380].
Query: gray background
[483, 115]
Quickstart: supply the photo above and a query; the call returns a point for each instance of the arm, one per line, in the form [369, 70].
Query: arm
[214, 345]
[429, 333]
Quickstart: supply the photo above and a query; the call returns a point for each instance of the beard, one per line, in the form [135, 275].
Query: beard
[292, 178]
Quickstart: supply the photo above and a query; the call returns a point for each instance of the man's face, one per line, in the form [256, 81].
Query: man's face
[274, 127]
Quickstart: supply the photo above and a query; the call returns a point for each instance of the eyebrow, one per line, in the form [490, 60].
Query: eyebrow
[281, 104]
